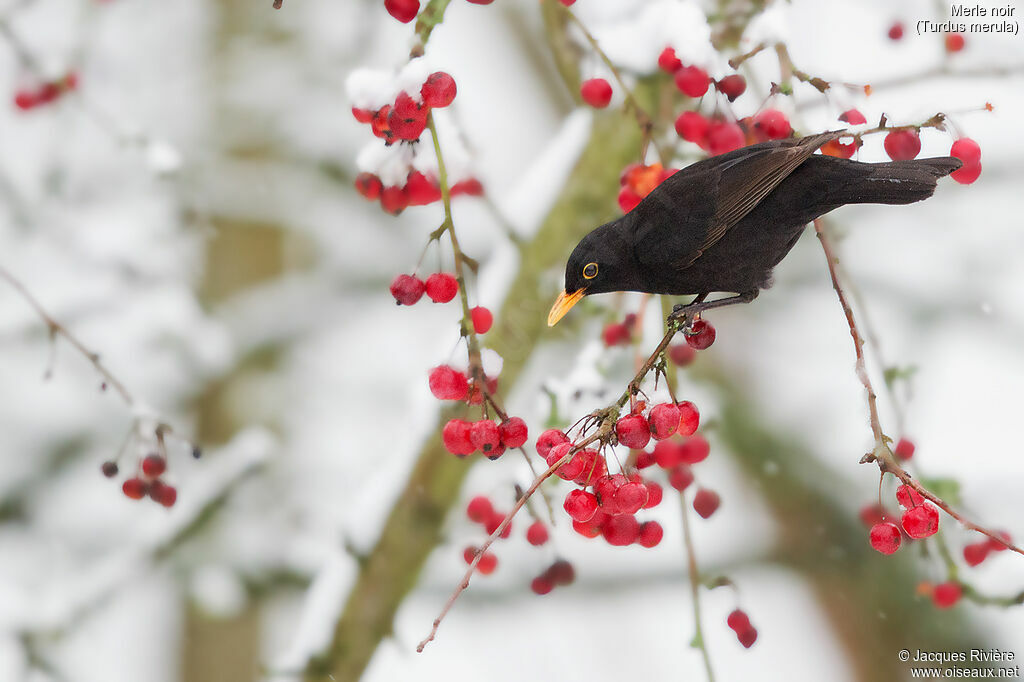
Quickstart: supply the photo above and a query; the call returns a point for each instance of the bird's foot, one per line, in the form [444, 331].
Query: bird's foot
[691, 311]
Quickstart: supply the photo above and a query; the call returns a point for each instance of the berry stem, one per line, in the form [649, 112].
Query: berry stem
[694, 574]
[429, 18]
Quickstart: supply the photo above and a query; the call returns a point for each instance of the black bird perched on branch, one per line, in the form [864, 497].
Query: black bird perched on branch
[722, 224]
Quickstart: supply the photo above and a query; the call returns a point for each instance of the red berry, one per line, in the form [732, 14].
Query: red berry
[548, 440]
[694, 449]
[439, 90]
[732, 86]
[705, 502]
[363, 115]
[663, 421]
[25, 100]
[394, 200]
[163, 494]
[692, 81]
[419, 189]
[773, 124]
[630, 498]
[441, 287]
[747, 637]
[967, 150]
[692, 127]
[668, 61]
[369, 186]
[724, 137]
[109, 469]
[628, 199]
[680, 477]
[871, 514]
[403, 10]
[650, 534]
[411, 129]
[407, 109]
[587, 529]
[904, 449]
[561, 572]
[482, 319]
[902, 145]
[537, 533]
[469, 186]
[479, 509]
[596, 92]
[946, 595]
[967, 174]
[134, 488]
[701, 335]
[494, 520]
[541, 585]
[488, 561]
[448, 384]
[455, 435]
[908, 497]
[621, 530]
[580, 505]
[480, 2]
[954, 42]
[738, 621]
[513, 432]
[154, 465]
[853, 117]
[668, 454]
[594, 466]
[839, 150]
[407, 289]
[886, 537]
[997, 546]
[977, 552]
[568, 3]
[632, 431]
[921, 521]
[689, 418]
[645, 459]
[896, 31]
[654, 495]
[485, 436]
[681, 355]
[615, 334]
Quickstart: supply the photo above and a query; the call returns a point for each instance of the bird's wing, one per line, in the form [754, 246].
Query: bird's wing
[694, 209]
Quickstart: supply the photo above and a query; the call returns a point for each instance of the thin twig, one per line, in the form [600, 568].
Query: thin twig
[694, 575]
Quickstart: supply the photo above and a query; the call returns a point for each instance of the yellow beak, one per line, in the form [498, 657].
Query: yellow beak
[562, 305]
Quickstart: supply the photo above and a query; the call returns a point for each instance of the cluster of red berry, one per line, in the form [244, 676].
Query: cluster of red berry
[919, 520]
[440, 287]
[146, 481]
[637, 181]
[462, 438]
[45, 93]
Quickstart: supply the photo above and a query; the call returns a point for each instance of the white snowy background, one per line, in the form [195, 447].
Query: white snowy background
[193, 109]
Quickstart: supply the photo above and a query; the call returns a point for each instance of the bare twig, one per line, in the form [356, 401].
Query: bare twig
[694, 574]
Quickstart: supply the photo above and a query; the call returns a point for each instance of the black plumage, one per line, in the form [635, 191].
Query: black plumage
[722, 224]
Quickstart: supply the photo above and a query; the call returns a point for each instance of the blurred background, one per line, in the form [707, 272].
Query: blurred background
[188, 212]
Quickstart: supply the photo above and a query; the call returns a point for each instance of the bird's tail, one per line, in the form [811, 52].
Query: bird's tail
[894, 182]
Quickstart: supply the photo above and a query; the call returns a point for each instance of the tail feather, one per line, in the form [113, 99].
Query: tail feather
[893, 182]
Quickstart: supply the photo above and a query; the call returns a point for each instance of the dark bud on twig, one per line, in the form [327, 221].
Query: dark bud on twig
[196, 452]
[109, 469]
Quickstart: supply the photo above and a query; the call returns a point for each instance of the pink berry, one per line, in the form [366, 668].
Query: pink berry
[394, 200]
[541, 585]
[580, 505]
[668, 61]
[692, 81]
[689, 418]
[705, 502]
[853, 117]
[967, 150]
[747, 637]
[441, 287]
[561, 572]
[363, 115]
[485, 436]
[701, 335]
[403, 10]
[976, 553]
[738, 621]
[448, 384]
[615, 334]
[407, 289]
[537, 534]
[681, 355]
[135, 488]
[692, 127]
[954, 42]
[163, 494]
[628, 200]
[632, 431]
[680, 477]
[455, 436]
[871, 515]
[621, 530]
[369, 186]
[904, 449]
[482, 319]
[732, 86]
[886, 537]
[439, 90]
[25, 100]
[470, 186]
[667, 454]
[921, 521]
[946, 595]
[596, 92]
[896, 31]
[513, 432]
[724, 137]
[548, 440]
[495, 520]
[773, 124]
[997, 546]
[694, 449]
[153, 465]
[650, 534]
[479, 509]
[908, 497]
[645, 459]
[630, 498]
[419, 189]
[902, 145]
[663, 421]
[967, 174]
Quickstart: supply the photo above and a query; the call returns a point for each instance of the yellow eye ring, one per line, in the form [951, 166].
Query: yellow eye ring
[590, 270]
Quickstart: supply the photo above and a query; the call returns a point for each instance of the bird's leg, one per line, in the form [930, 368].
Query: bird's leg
[699, 305]
[681, 308]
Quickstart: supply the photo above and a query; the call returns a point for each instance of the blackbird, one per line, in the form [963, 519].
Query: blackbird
[722, 224]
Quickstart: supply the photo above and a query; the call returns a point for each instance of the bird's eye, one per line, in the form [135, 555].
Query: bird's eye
[590, 270]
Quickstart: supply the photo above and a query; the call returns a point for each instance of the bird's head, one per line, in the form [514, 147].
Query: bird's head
[600, 263]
